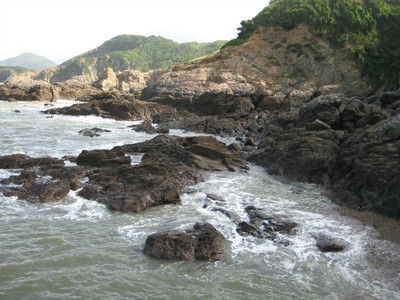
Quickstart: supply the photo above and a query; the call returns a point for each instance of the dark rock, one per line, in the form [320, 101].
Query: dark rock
[235, 147]
[169, 164]
[269, 223]
[116, 108]
[328, 244]
[146, 127]
[133, 188]
[162, 130]
[42, 179]
[366, 173]
[245, 229]
[203, 242]
[303, 155]
[92, 132]
[250, 142]
[102, 158]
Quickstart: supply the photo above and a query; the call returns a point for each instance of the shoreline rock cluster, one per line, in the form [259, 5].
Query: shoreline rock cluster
[294, 114]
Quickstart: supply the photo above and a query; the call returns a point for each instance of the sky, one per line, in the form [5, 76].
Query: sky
[62, 29]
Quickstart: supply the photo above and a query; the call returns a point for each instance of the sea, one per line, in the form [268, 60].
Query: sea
[78, 249]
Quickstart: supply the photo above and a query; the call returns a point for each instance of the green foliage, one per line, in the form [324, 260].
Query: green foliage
[370, 30]
[144, 53]
[234, 42]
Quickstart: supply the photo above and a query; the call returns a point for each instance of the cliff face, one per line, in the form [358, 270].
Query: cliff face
[282, 64]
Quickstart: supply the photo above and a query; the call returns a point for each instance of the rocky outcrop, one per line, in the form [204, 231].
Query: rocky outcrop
[169, 164]
[202, 242]
[25, 88]
[366, 173]
[107, 80]
[341, 142]
[119, 106]
[41, 180]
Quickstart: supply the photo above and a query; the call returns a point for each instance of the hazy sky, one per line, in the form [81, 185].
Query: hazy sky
[61, 29]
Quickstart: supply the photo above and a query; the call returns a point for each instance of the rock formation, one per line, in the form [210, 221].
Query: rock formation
[203, 242]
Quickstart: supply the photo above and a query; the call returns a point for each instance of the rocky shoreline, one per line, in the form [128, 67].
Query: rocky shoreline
[320, 126]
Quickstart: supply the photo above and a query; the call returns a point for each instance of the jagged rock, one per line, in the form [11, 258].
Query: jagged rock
[107, 80]
[366, 173]
[303, 155]
[203, 242]
[169, 164]
[41, 180]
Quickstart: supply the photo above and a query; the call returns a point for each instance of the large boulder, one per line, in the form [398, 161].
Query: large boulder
[133, 188]
[107, 80]
[203, 242]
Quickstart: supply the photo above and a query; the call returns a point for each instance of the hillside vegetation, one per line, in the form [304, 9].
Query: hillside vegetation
[130, 52]
[29, 61]
[368, 28]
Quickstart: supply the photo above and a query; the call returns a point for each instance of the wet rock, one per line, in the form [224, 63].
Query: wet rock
[162, 129]
[117, 107]
[328, 244]
[269, 223]
[102, 158]
[133, 188]
[92, 132]
[246, 229]
[41, 180]
[169, 164]
[146, 127]
[203, 242]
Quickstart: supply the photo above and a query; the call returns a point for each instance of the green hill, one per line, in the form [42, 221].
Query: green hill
[368, 28]
[29, 61]
[130, 52]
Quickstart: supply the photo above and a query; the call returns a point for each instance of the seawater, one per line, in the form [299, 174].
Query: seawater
[78, 249]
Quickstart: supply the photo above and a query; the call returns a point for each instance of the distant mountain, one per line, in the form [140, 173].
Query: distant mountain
[29, 61]
[129, 52]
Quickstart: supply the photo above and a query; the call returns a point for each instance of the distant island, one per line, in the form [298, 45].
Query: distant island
[29, 61]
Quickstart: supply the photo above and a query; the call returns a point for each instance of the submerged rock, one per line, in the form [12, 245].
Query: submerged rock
[203, 242]
[263, 225]
[328, 244]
